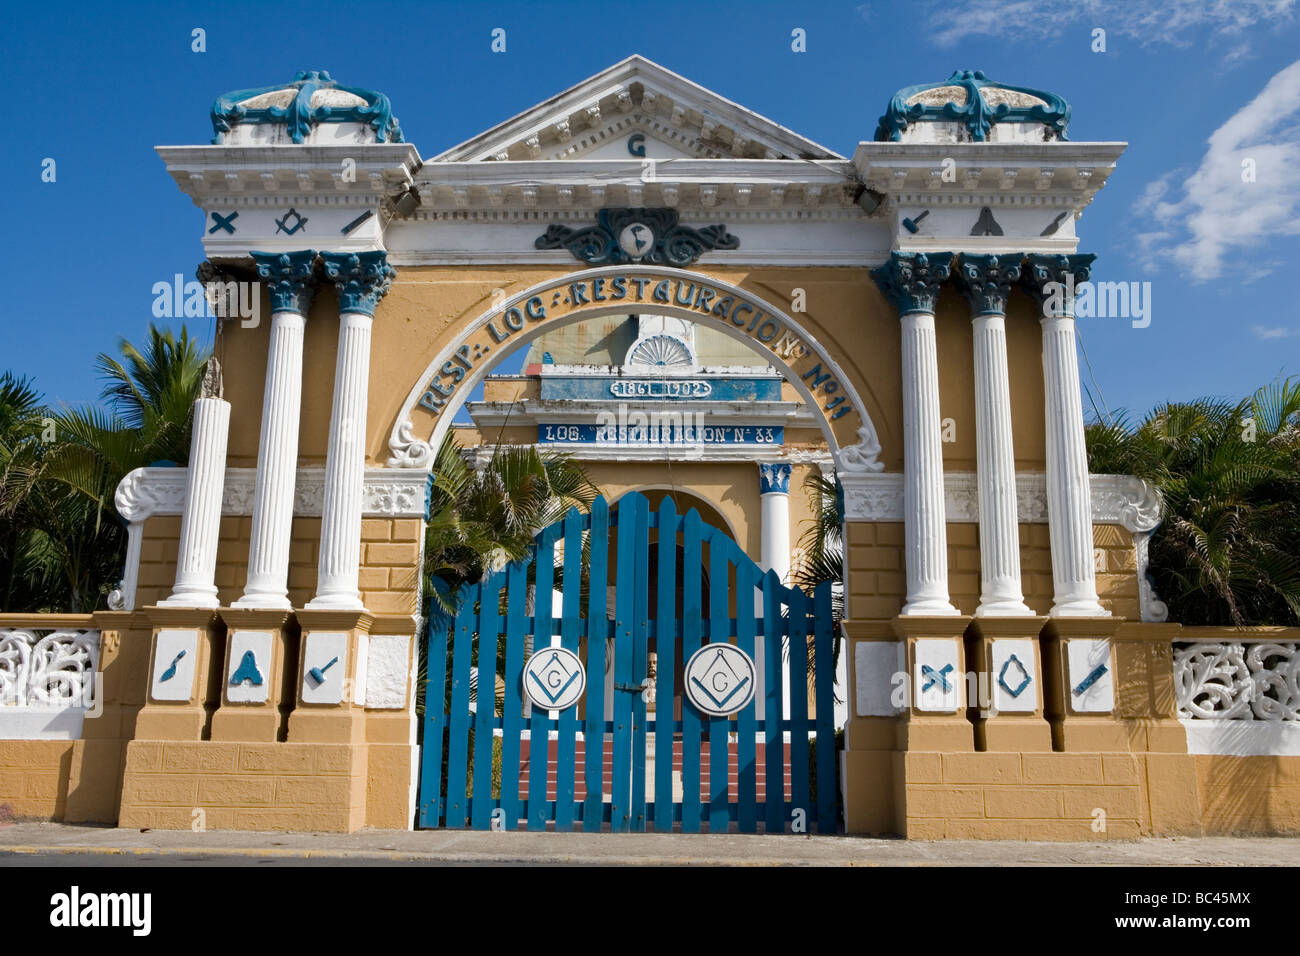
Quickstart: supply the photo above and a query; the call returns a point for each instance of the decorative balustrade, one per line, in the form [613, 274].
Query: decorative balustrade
[1237, 680]
[47, 670]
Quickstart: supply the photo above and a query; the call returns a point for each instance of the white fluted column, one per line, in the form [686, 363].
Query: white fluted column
[911, 281]
[289, 278]
[1052, 280]
[196, 558]
[774, 555]
[774, 505]
[361, 280]
[986, 281]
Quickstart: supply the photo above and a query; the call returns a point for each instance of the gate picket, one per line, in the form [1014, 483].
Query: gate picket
[773, 751]
[824, 657]
[624, 608]
[435, 717]
[746, 777]
[512, 723]
[719, 816]
[489, 632]
[570, 622]
[793, 631]
[539, 726]
[666, 649]
[692, 611]
[593, 813]
[640, 660]
[458, 743]
[799, 790]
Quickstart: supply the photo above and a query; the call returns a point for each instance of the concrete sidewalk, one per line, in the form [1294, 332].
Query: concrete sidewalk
[54, 842]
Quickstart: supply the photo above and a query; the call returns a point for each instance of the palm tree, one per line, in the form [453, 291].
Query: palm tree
[481, 521]
[822, 545]
[59, 480]
[1228, 549]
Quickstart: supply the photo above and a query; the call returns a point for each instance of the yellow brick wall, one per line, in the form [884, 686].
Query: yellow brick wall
[878, 583]
[1249, 794]
[244, 786]
[1014, 796]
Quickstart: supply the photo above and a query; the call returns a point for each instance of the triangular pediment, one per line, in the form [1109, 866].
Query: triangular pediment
[601, 117]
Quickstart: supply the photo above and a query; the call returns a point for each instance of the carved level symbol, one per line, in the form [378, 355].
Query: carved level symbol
[1054, 225]
[170, 672]
[936, 677]
[247, 671]
[355, 222]
[1092, 678]
[912, 225]
[986, 225]
[223, 222]
[317, 674]
[299, 222]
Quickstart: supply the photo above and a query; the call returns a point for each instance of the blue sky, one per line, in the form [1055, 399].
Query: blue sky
[1194, 86]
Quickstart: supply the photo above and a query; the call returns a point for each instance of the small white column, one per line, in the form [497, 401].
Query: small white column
[1052, 281]
[361, 280]
[196, 558]
[774, 504]
[774, 555]
[911, 281]
[986, 282]
[289, 278]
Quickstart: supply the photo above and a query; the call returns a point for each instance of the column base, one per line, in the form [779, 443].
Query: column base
[192, 598]
[337, 602]
[1011, 608]
[181, 681]
[260, 650]
[1081, 685]
[935, 656]
[1083, 608]
[329, 682]
[1009, 716]
[263, 601]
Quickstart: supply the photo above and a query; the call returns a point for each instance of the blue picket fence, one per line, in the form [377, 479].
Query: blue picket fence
[584, 769]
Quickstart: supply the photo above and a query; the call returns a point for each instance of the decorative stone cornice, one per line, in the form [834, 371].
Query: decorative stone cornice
[1116, 499]
[617, 238]
[985, 280]
[911, 280]
[1052, 279]
[361, 279]
[386, 493]
[289, 277]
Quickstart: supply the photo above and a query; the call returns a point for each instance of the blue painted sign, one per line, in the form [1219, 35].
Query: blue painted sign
[683, 431]
[666, 389]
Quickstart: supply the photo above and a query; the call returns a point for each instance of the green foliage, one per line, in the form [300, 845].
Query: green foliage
[1228, 549]
[61, 542]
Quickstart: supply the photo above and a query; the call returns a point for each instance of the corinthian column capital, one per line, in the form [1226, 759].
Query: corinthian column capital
[290, 278]
[1052, 279]
[360, 278]
[911, 280]
[985, 280]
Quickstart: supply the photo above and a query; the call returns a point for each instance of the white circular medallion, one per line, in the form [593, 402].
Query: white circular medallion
[636, 239]
[719, 679]
[554, 678]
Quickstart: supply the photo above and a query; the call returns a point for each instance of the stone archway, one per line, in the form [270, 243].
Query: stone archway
[451, 377]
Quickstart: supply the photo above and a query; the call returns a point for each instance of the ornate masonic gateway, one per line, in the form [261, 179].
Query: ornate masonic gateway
[709, 312]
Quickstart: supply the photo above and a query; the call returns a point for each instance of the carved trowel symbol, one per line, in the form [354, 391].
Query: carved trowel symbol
[170, 672]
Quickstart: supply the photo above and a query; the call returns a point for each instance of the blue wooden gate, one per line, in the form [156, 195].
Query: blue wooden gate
[491, 761]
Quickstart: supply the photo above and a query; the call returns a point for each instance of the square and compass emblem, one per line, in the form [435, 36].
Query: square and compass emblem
[554, 679]
[719, 679]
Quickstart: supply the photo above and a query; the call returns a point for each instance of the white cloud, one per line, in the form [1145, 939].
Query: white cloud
[1214, 214]
[1146, 21]
[1272, 333]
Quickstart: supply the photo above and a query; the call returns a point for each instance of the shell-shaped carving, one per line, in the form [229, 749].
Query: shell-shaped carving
[663, 350]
